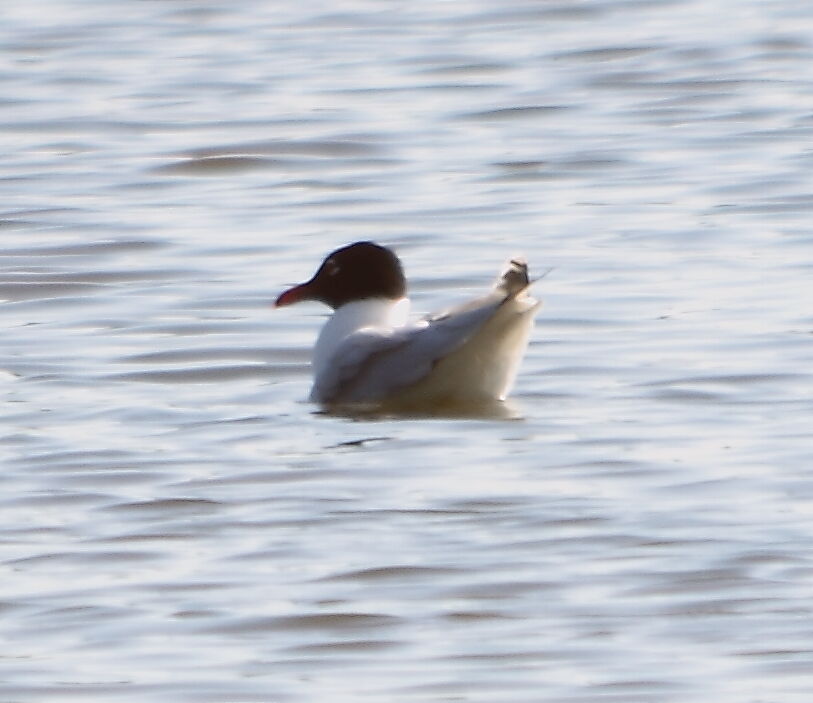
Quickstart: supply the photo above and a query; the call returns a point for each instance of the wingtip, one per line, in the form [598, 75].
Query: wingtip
[514, 279]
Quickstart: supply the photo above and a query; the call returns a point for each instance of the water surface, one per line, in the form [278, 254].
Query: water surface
[178, 524]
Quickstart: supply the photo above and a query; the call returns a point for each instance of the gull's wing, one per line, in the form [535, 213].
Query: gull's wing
[372, 364]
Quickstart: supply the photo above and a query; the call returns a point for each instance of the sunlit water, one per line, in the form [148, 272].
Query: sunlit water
[178, 524]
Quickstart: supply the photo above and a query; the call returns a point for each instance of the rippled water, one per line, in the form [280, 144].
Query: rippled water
[178, 524]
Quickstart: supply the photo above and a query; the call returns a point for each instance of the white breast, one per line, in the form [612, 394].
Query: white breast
[377, 313]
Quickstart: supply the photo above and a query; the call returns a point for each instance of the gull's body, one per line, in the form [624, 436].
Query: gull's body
[368, 354]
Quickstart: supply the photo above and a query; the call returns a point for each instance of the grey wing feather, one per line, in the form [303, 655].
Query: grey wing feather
[371, 365]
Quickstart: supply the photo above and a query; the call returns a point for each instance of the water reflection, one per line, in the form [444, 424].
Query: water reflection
[484, 410]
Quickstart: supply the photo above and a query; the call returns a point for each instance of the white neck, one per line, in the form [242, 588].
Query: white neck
[351, 317]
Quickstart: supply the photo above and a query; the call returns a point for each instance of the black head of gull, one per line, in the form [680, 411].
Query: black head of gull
[359, 271]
